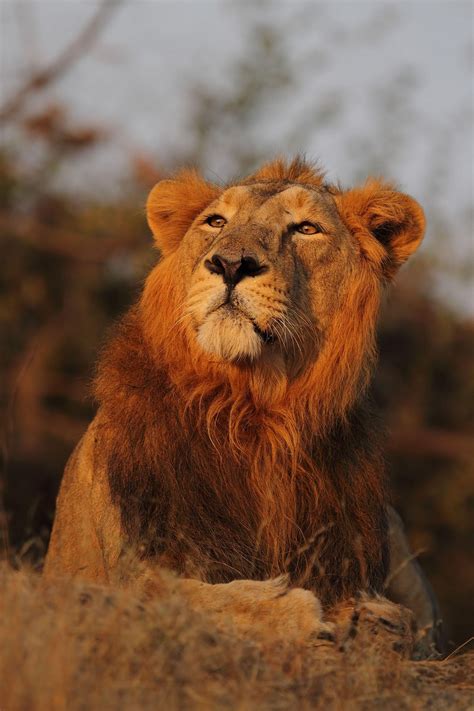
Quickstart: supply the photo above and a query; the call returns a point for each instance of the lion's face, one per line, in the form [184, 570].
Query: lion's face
[264, 269]
[279, 268]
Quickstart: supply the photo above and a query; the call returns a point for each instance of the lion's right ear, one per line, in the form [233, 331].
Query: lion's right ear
[173, 205]
[388, 224]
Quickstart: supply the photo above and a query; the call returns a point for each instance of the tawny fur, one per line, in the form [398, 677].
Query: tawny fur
[266, 461]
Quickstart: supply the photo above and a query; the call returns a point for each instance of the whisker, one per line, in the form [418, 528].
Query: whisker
[288, 336]
[295, 338]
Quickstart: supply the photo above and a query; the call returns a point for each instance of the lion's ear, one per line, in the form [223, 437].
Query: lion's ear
[388, 224]
[173, 204]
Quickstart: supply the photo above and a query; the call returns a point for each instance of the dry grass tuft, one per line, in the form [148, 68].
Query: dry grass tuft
[76, 646]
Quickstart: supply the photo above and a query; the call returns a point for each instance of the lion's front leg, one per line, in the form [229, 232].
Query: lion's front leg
[263, 610]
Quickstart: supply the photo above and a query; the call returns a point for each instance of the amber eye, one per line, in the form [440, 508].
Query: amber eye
[216, 221]
[307, 228]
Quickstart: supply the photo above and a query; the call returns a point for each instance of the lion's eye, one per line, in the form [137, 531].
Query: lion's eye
[216, 221]
[308, 228]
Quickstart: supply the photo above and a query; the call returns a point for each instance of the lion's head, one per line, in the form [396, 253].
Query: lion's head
[279, 273]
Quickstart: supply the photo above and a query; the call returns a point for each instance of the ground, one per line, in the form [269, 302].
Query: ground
[76, 646]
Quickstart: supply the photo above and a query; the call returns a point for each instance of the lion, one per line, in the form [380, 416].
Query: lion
[235, 442]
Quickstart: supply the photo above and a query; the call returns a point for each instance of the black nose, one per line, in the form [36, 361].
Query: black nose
[234, 270]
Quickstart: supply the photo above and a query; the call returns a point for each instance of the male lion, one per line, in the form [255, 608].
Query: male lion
[234, 441]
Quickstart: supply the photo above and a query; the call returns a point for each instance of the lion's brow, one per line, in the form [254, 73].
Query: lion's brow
[270, 188]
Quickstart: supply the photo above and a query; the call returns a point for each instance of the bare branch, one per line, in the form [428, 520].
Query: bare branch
[43, 77]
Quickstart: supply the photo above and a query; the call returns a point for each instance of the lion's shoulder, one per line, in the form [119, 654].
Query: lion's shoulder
[86, 536]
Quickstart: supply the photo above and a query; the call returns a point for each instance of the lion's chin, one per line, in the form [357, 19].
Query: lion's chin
[230, 336]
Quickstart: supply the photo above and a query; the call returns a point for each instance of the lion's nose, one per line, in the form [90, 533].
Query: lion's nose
[234, 270]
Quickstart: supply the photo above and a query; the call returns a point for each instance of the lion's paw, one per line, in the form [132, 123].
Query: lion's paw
[269, 610]
[375, 622]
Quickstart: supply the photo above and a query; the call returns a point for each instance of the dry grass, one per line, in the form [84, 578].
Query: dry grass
[75, 646]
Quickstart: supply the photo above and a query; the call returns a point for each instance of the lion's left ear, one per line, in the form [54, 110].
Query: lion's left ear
[173, 205]
[388, 224]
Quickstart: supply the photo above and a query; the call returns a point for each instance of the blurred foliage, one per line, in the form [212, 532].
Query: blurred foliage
[73, 265]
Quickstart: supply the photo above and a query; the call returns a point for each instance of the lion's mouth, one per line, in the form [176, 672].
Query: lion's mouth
[267, 337]
[233, 334]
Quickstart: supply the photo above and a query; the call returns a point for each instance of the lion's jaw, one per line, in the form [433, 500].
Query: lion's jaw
[230, 334]
[241, 324]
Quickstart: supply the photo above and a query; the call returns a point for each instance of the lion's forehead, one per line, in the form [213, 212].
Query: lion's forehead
[276, 200]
